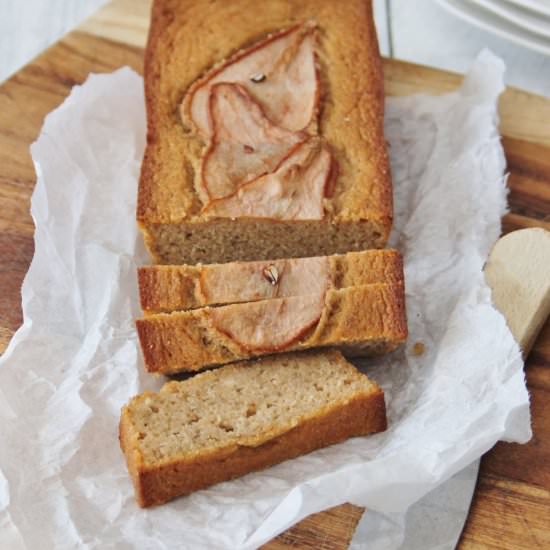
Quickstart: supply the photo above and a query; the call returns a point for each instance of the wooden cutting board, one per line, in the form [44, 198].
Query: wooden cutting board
[511, 506]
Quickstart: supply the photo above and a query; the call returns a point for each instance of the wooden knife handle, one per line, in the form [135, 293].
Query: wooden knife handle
[518, 272]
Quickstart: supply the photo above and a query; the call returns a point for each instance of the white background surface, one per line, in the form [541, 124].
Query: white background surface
[29, 26]
[414, 30]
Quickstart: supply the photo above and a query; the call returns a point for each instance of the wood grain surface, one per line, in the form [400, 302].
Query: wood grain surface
[511, 506]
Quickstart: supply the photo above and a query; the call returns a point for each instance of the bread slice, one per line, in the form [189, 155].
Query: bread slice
[360, 320]
[308, 186]
[225, 423]
[164, 288]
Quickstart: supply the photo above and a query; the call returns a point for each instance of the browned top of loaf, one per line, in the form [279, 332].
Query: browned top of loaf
[172, 287]
[191, 340]
[189, 37]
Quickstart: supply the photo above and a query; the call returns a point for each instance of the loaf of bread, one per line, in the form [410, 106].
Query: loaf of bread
[360, 320]
[165, 288]
[265, 131]
[225, 423]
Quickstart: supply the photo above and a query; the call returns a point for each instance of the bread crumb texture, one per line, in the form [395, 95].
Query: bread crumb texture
[245, 404]
[243, 417]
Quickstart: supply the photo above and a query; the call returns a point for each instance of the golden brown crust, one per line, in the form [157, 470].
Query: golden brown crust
[157, 484]
[368, 267]
[181, 287]
[351, 110]
[167, 288]
[362, 319]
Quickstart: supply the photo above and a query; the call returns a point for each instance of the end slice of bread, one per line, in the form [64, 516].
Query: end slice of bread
[360, 320]
[165, 288]
[225, 423]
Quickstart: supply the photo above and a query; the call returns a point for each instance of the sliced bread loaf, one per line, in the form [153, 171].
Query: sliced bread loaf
[361, 320]
[164, 288]
[278, 150]
[244, 417]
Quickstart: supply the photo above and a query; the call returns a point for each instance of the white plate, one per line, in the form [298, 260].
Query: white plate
[537, 23]
[538, 6]
[489, 22]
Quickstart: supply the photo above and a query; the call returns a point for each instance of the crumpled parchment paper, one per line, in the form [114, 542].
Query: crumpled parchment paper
[75, 360]
[435, 522]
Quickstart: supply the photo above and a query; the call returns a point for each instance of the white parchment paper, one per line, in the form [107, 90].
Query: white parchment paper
[75, 360]
[435, 522]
